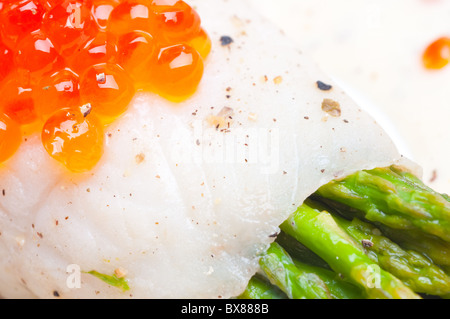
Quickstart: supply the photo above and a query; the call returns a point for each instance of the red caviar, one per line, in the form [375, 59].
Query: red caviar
[135, 53]
[69, 24]
[101, 10]
[130, 15]
[437, 54]
[108, 88]
[74, 139]
[55, 91]
[36, 52]
[17, 97]
[176, 67]
[19, 18]
[174, 21]
[100, 48]
[6, 60]
[70, 67]
[10, 136]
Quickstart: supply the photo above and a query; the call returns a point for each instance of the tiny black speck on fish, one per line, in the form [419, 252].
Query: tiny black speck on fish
[323, 86]
[225, 40]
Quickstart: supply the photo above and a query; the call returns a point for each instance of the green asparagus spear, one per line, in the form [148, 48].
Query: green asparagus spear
[393, 199]
[338, 288]
[416, 181]
[300, 252]
[318, 231]
[260, 288]
[413, 268]
[433, 247]
[295, 283]
[446, 196]
[301, 280]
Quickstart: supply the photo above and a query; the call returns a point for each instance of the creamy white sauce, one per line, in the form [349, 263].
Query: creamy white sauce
[374, 48]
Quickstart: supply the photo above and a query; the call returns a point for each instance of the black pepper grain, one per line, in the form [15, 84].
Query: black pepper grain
[323, 86]
[225, 40]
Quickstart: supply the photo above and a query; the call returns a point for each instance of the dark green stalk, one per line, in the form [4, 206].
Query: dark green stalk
[260, 288]
[394, 198]
[338, 288]
[411, 267]
[281, 270]
[318, 231]
[300, 252]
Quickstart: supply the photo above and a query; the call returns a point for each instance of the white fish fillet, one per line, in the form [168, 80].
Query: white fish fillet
[181, 207]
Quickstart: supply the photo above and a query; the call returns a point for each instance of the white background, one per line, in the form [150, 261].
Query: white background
[373, 48]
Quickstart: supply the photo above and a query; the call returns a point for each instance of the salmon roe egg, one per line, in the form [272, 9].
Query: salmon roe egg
[202, 43]
[177, 72]
[69, 68]
[36, 52]
[437, 54]
[101, 10]
[100, 48]
[69, 24]
[175, 21]
[17, 98]
[135, 54]
[74, 139]
[6, 60]
[108, 88]
[19, 18]
[48, 4]
[10, 137]
[56, 91]
[130, 15]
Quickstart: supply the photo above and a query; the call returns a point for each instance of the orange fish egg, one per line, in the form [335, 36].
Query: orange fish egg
[130, 15]
[100, 48]
[49, 4]
[36, 52]
[56, 91]
[6, 60]
[175, 23]
[177, 72]
[56, 55]
[108, 88]
[17, 98]
[74, 139]
[437, 54]
[202, 43]
[68, 25]
[101, 10]
[19, 18]
[135, 54]
[10, 137]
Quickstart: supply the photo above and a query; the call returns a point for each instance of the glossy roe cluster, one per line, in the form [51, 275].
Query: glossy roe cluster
[70, 67]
